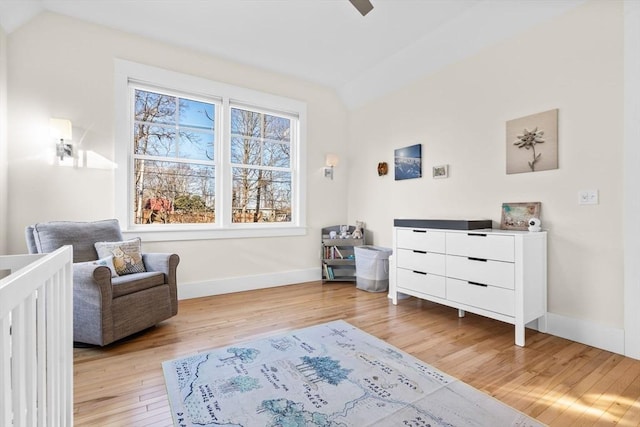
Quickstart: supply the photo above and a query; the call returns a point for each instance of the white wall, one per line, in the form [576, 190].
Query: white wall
[575, 64]
[62, 67]
[632, 177]
[3, 142]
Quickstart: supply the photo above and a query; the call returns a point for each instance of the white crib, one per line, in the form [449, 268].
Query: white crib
[36, 339]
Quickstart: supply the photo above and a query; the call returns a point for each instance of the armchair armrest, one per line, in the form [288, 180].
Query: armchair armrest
[92, 297]
[92, 282]
[168, 264]
[165, 263]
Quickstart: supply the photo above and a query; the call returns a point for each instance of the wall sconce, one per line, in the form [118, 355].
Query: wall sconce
[60, 129]
[330, 161]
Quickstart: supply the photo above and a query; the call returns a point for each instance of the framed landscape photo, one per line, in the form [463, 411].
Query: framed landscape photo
[516, 216]
[441, 171]
[408, 162]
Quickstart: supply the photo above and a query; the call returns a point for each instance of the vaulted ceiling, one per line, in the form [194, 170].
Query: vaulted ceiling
[323, 41]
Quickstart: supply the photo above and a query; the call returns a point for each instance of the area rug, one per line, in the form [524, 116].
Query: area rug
[331, 374]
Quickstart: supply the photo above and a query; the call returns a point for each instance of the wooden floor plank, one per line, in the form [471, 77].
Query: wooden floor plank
[621, 402]
[632, 416]
[596, 401]
[552, 379]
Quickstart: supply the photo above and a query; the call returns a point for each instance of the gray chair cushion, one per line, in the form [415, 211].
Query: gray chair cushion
[131, 283]
[31, 242]
[81, 235]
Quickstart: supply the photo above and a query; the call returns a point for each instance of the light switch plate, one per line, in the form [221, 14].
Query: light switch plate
[588, 197]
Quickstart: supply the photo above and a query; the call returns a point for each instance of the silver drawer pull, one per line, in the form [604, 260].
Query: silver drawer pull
[420, 272]
[419, 231]
[477, 284]
[476, 259]
[415, 251]
[477, 234]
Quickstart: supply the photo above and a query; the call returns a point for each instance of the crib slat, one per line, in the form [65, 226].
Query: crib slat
[31, 391]
[53, 393]
[41, 369]
[66, 288]
[18, 378]
[6, 403]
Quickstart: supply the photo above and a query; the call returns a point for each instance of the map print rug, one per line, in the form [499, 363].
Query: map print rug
[329, 375]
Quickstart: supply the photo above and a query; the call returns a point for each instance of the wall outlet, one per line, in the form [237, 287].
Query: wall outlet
[588, 197]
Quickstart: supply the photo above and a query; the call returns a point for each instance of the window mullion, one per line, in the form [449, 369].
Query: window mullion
[224, 185]
[273, 141]
[297, 199]
[176, 120]
[261, 167]
[173, 160]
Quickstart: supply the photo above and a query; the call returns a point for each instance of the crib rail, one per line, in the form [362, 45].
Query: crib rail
[36, 339]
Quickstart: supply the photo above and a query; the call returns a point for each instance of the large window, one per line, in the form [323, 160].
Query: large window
[205, 156]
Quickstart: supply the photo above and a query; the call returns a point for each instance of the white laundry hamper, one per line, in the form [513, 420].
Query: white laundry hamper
[372, 268]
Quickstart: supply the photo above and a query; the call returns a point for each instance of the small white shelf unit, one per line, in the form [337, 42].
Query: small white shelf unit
[338, 256]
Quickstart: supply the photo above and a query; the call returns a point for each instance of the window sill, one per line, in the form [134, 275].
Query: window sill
[164, 233]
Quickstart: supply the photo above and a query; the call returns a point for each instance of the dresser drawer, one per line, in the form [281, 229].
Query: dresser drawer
[425, 262]
[481, 245]
[430, 284]
[420, 239]
[488, 272]
[489, 298]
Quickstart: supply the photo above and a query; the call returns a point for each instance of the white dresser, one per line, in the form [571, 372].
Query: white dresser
[495, 273]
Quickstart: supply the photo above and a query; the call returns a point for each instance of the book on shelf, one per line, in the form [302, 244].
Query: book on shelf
[328, 272]
[332, 252]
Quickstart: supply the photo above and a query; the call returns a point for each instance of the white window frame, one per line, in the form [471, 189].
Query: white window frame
[127, 73]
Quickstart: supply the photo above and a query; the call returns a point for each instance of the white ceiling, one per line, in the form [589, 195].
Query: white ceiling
[323, 41]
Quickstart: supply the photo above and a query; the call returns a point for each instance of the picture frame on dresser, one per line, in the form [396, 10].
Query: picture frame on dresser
[516, 216]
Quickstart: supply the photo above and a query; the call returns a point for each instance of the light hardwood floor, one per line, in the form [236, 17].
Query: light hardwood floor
[558, 382]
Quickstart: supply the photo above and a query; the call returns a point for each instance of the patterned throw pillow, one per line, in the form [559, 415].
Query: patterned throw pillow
[107, 262]
[127, 255]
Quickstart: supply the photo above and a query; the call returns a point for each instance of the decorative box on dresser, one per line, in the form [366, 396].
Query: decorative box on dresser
[501, 274]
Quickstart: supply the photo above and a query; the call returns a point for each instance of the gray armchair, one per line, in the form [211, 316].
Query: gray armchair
[106, 308]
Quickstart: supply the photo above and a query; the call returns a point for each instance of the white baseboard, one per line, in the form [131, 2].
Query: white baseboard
[582, 331]
[246, 283]
[585, 332]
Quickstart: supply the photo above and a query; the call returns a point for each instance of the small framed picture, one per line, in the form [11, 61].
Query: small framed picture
[516, 216]
[441, 171]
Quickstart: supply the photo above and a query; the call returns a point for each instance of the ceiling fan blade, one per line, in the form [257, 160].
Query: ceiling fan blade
[363, 6]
